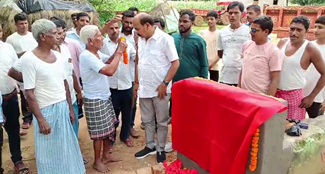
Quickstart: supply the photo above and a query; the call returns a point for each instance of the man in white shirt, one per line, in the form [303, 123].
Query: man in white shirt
[1, 133]
[97, 96]
[71, 77]
[10, 104]
[48, 94]
[22, 41]
[299, 54]
[121, 82]
[127, 32]
[230, 43]
[312, 74]
[210, 36]
[158, 63]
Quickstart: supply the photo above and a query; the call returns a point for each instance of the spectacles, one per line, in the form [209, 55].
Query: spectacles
[254, 30]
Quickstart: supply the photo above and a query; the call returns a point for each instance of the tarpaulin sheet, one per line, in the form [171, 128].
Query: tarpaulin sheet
[32, 6]
[212, 123]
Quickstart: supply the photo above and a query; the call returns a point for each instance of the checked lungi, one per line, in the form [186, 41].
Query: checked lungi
[100, 118]
[294, 98]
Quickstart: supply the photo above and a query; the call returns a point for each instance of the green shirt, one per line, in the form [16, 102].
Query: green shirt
[192, 55]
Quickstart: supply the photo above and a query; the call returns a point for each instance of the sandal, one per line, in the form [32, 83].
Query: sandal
[20, 168]
[128, 143]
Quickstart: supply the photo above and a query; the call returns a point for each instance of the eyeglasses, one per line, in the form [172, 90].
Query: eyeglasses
[254, 30]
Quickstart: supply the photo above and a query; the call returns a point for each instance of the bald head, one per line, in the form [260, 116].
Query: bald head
[143, 23]
[144, 18]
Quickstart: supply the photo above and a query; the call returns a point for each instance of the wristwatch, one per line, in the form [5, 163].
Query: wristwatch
[165, 82]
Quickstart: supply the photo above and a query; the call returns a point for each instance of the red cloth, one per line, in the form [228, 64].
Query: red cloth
[213, 123]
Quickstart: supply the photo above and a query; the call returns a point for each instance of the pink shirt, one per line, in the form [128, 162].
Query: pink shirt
[75, 51]
[258, 63]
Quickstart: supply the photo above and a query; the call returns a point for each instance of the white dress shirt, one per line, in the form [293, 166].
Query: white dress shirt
[155, 57]
[7, 60]
[122, 78]
[130, 40]
[67, 60]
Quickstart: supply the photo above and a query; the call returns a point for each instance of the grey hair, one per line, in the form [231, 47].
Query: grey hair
[87, 32]
[42, 26]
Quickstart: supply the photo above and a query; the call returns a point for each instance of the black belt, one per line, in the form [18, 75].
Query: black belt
[10, 95]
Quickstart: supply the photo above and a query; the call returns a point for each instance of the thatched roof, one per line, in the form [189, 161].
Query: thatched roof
[168, 13]
[7, 17]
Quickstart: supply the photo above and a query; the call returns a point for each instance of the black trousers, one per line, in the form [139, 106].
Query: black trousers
[214, 75]
[28, 116]
[134, 110]
[313, 110]
[122, 103]
[10, 109]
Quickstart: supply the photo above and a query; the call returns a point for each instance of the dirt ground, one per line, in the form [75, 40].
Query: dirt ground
[128, 164]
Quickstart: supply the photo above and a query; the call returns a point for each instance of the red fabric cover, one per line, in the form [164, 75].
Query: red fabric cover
[212, 123]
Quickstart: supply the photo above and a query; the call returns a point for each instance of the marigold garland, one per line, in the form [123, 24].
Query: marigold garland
[176, 168]
[125, 53]
[254, 151]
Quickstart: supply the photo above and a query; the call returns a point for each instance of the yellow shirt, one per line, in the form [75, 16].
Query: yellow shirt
[211, 39]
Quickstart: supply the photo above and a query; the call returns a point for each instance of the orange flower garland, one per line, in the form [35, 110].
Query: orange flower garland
[125, 54]
[254, 151]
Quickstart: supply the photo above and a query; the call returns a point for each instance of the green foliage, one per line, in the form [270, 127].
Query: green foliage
[207, 5]
[107, 8]
[307, 2]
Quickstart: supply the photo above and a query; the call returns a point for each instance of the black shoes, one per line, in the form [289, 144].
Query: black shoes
[161, 156]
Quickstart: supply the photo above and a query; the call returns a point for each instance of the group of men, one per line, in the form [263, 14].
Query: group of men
[106, 69]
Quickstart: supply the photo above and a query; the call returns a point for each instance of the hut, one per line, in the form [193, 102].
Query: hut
[168, 13]
[38, 9]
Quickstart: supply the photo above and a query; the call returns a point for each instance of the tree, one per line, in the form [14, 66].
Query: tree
[307, 2]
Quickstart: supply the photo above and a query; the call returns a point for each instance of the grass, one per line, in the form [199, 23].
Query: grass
[197, 29]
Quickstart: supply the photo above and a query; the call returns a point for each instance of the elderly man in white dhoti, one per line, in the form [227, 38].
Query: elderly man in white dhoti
[56, 146]
[100, 115]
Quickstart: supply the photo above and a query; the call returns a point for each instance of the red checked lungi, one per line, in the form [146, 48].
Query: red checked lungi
[294, 98]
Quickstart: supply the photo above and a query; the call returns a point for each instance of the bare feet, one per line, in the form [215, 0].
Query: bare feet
[110, 159]
[100, 167]
[22, 132]
[25, 126]
[134, 133]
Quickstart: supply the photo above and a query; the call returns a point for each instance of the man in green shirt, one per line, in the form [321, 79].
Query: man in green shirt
[191, 49]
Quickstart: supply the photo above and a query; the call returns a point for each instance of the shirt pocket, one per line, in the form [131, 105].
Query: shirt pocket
[155, 58]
